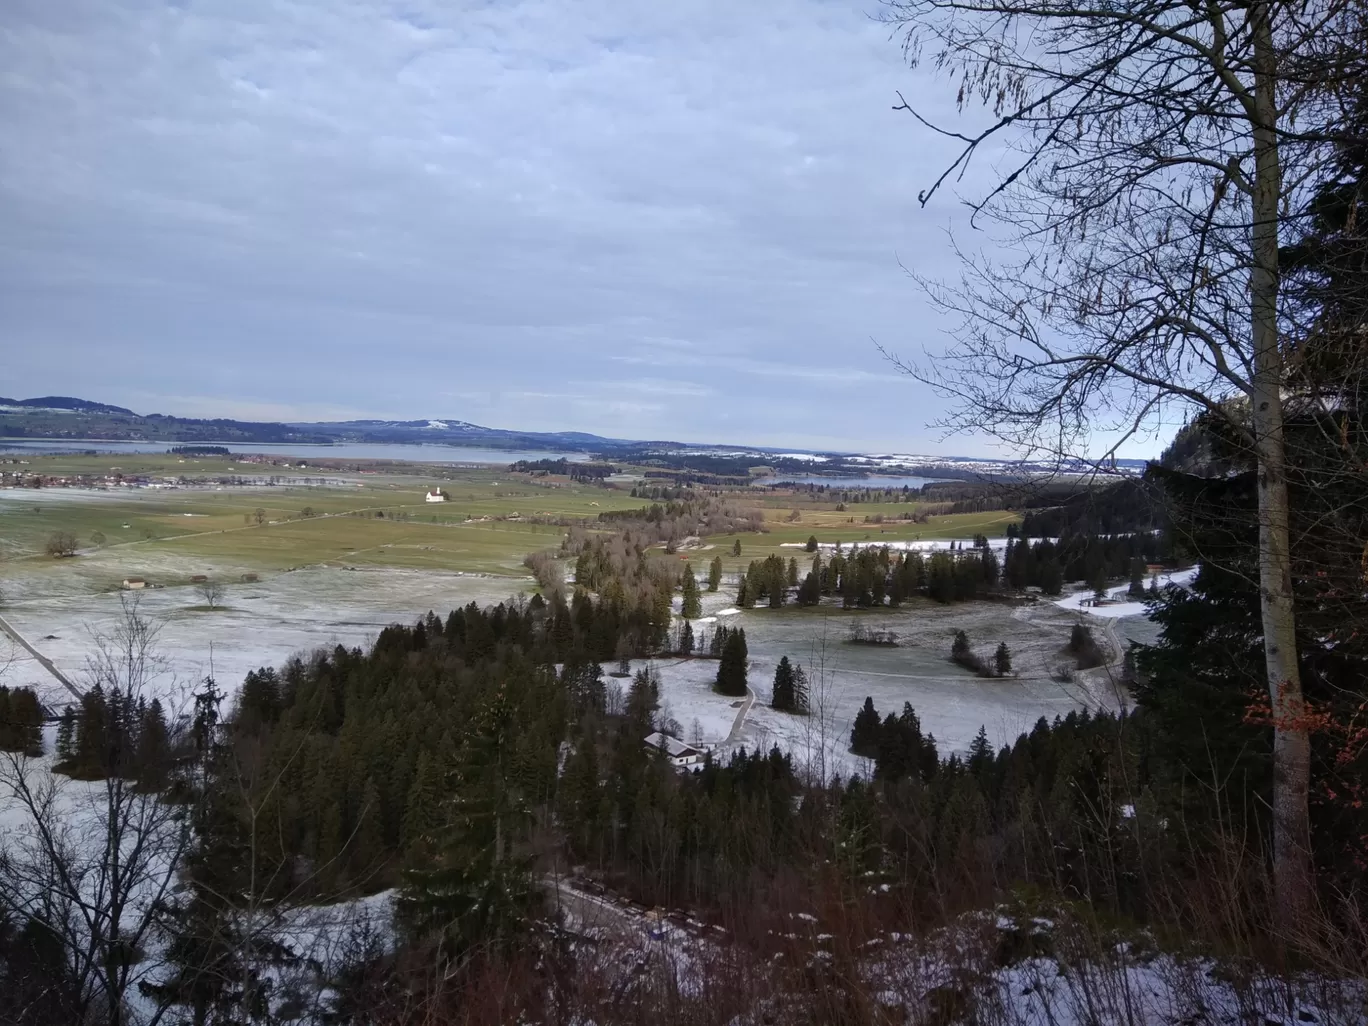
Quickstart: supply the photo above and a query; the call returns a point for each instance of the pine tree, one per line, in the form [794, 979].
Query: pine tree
[92, 741]
[731, 671]
[1097, 581]
[691, 608]
[209, 977]
[422, 809]
[960, 647]
[479, 889]
[1137, 579]
[1002, 659]
[367, 844]
[811, 545]
[66, 740]
[736, 547]
[792, 572]
[980, 753]
[802, 698]
[864, 734]
[686, 639]
[784, 697]
[154, 748]
[715, 573]
[578, 794]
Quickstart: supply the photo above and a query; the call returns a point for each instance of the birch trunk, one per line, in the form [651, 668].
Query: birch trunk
[1291, 744]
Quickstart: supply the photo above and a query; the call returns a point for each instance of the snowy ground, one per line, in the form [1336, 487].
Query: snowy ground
[262, 624]
[1117, 605]
[998, 545]
[951, 702]
[267, 622]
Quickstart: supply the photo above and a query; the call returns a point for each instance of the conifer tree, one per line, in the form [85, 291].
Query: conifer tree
[792, 572]
[980, 753]
[154, 748]
[422, 809]
[686, 639]
[736, 547]
[784, 696]
[1137, 579]
[1097, 581]
[715, 573]
[1002, 659]
[367, 844]
[66, 740]
[811, 545]
[731, 671]
[864, 734]
[802, 697]
[691, 608]
[479, 891]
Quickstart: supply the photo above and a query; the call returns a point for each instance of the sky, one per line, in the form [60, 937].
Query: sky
[683, 220]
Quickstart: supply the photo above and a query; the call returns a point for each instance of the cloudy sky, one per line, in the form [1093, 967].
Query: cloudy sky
[678, 219]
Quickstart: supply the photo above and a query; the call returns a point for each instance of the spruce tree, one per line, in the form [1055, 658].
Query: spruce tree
[1002, 659]
[1097, 581]
[154, 748]
[479, 890]
[367, 845]
[802, 698]
[792, 572]
[811, 545]
[422, 808]
[784, 696]
[715, 573]
[686, 639]
[690, 608]
[66, 740]
[736, 547]
[731, 671]
[1137, 579]
[864, 734]
[980, 753]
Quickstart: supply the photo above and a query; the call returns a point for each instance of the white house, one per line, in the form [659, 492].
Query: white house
[675, 750]
[436, 495]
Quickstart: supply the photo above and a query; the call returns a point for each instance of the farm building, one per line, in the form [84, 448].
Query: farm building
[436, 495]
[675, 750]
[134, 583]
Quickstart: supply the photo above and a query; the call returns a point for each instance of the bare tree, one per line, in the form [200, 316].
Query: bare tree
[211, 591]
[1160, 148]
[93, 863]
[61, 544]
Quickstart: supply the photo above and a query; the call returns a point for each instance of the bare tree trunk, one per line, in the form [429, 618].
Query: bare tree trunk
[1291, 745]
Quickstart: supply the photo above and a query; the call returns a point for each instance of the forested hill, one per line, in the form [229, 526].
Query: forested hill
[67, 417]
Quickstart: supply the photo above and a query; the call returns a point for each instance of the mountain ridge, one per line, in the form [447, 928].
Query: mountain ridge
[67, 417]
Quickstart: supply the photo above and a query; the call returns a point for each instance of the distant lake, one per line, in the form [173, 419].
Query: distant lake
[295, 450]
[869, 481]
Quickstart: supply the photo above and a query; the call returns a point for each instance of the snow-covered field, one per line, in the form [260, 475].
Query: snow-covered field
[260, 624]
[1117, 605]
[265, 623]
[951, 702]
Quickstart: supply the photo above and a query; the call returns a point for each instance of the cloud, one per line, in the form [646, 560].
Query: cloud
[473, 210]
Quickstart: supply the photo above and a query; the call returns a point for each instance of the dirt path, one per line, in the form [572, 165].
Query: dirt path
[43, 660]
[735, 735]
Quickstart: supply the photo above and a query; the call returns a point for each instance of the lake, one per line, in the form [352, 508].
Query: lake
[294, 450]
